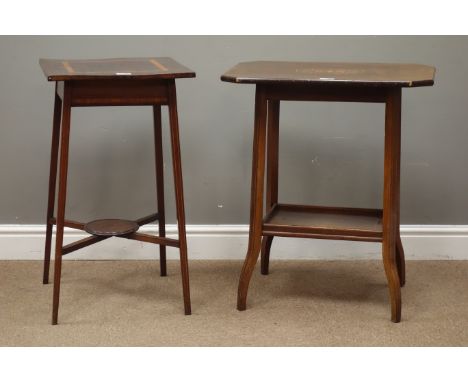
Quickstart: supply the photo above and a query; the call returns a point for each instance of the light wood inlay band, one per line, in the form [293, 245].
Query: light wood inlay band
[158, 65]
[68, 67]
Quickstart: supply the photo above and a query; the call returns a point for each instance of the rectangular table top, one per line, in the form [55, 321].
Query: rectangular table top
[111, 68]
[400, 75]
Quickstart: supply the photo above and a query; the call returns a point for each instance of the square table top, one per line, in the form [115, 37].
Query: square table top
[112, 68]
[399, 75]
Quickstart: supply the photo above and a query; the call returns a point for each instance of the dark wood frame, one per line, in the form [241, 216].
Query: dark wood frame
[114, 92]
[265, 143]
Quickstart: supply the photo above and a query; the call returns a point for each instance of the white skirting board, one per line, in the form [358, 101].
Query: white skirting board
[229, 242]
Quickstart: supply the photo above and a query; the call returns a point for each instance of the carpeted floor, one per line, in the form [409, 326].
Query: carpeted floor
[301, 303]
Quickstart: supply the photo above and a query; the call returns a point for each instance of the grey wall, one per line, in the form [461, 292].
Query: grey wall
[330, 153]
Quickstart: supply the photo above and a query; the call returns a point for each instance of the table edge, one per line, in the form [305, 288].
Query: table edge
[405, 84]
[188, 73]
[55, 78]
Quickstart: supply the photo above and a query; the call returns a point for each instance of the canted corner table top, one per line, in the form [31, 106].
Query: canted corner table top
[374, 74]
[111, 68]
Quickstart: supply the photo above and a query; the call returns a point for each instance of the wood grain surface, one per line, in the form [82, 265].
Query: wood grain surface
[401, 75]
[111, 68]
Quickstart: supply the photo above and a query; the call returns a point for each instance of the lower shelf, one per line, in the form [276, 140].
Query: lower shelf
[111, 227]
[324, 222]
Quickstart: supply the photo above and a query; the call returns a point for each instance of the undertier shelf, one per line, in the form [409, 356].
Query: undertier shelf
[337, 223]
[111, 227]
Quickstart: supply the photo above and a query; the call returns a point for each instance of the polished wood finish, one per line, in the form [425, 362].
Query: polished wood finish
[323, 92]
[111, 227]
[114, 82]
[114, 68]
[159, 164]
[62, 194]
[376, 83]
[273, 114]
[347, 223]
[72, 247]
[78, 225]
[353, 74]
[52, 184]
[391, 198]
[107, 93]
[256, 192]
[179, 193]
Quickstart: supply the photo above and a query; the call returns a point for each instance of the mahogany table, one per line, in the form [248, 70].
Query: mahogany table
[114, 82]
[333, 82]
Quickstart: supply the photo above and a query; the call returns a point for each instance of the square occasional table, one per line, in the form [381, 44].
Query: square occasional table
[331, 82]
[114, 82]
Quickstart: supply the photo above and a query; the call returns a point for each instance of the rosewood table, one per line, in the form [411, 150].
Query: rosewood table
[114, 82]
[333, 82]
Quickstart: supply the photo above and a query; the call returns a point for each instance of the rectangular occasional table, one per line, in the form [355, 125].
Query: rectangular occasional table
[114, 82]
[332, 82]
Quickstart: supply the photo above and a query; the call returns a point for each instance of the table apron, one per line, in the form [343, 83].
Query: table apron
[116, 92]
[334, 93]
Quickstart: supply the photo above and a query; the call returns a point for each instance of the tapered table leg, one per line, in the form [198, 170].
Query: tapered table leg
[272, 175]
[256, 197]
[179, 193]
[160, 185]
[391, 198]
[52, 184]
[62, 194]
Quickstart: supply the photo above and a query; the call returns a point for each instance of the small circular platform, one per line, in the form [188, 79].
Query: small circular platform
[111, 227]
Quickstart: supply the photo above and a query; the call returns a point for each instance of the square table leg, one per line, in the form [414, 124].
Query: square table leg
[256, 201]
[62, 194]
[391, 206]
[178, 188]
[52, 184]
[272, 175]
[159, 162]
[400, 254]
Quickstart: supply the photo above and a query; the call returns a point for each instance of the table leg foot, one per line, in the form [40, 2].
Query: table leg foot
[185, 281]
[246, 273]
[265, 258]
[400, 261]
[162, 261]
[393, 280]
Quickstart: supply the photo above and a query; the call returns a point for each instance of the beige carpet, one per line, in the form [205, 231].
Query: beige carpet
[306, 303]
